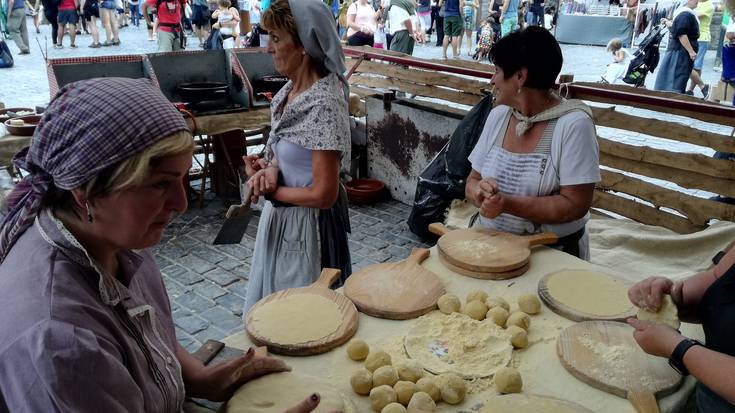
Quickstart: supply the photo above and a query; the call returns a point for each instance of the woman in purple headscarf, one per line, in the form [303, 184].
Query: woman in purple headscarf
[86, 322]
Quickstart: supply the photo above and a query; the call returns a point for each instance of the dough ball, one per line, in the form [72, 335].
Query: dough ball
[385, 375]
[428, 386]
[520, 319]
[362, 381]
[409, 370]
[518, 337]
[394, 408]
[497, 315]
[508, 380]
[422, 401]
[377, 359]
[357, 349]
[493, 302]
[668, 314]
[452, 387]
[404, 391]
[529, 304]
[476, 295]
[382, 396]
[448, 304]
[476, 310]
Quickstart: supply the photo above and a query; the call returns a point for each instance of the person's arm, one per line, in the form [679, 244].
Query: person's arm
[144, 10]
[572, 202]
[684, 39]
[215, 14]
[730, 36]
[504, 8]
[324, 189]
[619, 56]
[235, 15]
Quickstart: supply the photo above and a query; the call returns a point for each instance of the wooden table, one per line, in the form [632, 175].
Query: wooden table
[540, 367]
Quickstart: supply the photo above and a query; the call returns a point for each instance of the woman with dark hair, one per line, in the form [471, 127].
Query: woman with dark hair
[535, 165]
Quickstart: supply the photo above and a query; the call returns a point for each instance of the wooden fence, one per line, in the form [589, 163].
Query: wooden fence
[625, 188]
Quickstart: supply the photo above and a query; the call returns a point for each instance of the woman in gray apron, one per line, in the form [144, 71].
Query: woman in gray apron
[536, 163]
[707, 298]
[304, 225]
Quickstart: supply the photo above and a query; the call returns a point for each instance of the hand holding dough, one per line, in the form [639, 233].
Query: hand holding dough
[667, 314]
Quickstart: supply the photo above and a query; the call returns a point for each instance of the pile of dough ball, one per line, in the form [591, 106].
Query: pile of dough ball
[479, 306]
[403, 386]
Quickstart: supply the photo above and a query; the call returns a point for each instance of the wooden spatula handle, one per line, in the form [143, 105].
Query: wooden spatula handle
[438, 228]
[327, 277]
[418, 255]
[643, 401]
[543, 238]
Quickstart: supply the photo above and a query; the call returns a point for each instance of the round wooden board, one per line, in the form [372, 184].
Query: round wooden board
[483, 275]
[573, 313]
[321, 287]
[529, 403]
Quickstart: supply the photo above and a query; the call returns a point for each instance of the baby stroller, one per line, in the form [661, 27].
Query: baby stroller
[645, 59]
[486, 40]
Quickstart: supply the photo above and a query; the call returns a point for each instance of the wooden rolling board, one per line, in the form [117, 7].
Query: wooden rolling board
[528, 403]
[397, 291]
[321, 287]
[604, 355]
[483, 275]
[487, 251]
[619, 292]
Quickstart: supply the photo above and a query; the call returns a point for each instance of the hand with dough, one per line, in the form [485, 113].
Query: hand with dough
[655, 338]
[648, 294]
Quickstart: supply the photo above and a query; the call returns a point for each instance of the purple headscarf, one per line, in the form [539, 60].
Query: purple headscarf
[89, 126]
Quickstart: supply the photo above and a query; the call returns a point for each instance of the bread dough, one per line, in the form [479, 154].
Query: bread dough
[295, 319]
[394, 408]
[475, 309]
[493, 302]
[357, 349]
[377, 359]
[529, 304]
[449, 304]
[456, 343]
[382, 396]
[428, 386]
[523, 403]
[422, 401]
[409, 370]
[404, 391]
[590, 292]
[518, 337]
[667, 314]
[385, 375]
[362, 381]
[508, 380]
[520, 319]
[277, 392]
[476, 295]
[497, 315]
[452, 387]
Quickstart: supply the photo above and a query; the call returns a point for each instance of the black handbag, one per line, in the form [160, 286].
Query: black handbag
[6, 58]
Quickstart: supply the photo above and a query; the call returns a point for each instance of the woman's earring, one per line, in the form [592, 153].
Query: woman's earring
[303, 53]
[89, 213]
[519, 91]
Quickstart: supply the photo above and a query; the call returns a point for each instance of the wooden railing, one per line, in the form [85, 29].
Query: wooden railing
[628, 171]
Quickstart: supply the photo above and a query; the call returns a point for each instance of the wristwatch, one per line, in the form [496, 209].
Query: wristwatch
[676, 361]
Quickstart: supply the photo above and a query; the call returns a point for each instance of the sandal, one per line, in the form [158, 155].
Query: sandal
[73, 46]
[95, 45]
[116, 43]
[58, 46]
[105, 44]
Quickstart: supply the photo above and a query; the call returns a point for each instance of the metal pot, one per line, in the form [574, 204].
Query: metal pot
[203, 91]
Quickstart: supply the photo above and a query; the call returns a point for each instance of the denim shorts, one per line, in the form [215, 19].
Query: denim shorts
[699, 61]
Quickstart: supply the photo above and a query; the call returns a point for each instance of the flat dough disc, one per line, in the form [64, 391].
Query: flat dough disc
[668, 314]
[277, 392]
[298, 318]
[590, 292]
[521, 403]
[458, 344]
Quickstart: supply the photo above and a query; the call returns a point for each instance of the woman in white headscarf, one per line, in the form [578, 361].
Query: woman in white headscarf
[304, 225]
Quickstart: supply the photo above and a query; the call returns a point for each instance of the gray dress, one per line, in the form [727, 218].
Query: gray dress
[288, 245]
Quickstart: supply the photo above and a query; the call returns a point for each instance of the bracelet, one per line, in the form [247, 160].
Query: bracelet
[676, 361]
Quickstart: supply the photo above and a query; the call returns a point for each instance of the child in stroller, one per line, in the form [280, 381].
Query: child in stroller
[487, 37]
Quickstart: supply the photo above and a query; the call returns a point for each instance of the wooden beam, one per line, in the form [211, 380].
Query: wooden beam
[486, 67]
[425, 77]
[693, 162]
[611, 118]
[215, 124]
[643, 213]
[685, 179]
[698, 210]
[416, 89]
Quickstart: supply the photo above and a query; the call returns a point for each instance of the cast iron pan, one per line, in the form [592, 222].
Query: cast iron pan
[203, 91]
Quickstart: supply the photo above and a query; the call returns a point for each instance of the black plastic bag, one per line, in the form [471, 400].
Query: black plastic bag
[443, 180]
[214, 41]
[6, 58]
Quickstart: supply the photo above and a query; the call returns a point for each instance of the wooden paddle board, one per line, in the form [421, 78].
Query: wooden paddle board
[346, 330]
[606, 289]
[397, 291]
[529, 403]
[604, 355]
[482, 275]
[485, 250]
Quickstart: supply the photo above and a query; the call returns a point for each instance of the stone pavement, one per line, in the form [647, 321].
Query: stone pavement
[207, 283]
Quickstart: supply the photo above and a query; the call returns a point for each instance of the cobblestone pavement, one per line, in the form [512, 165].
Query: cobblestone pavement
[207, 283]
